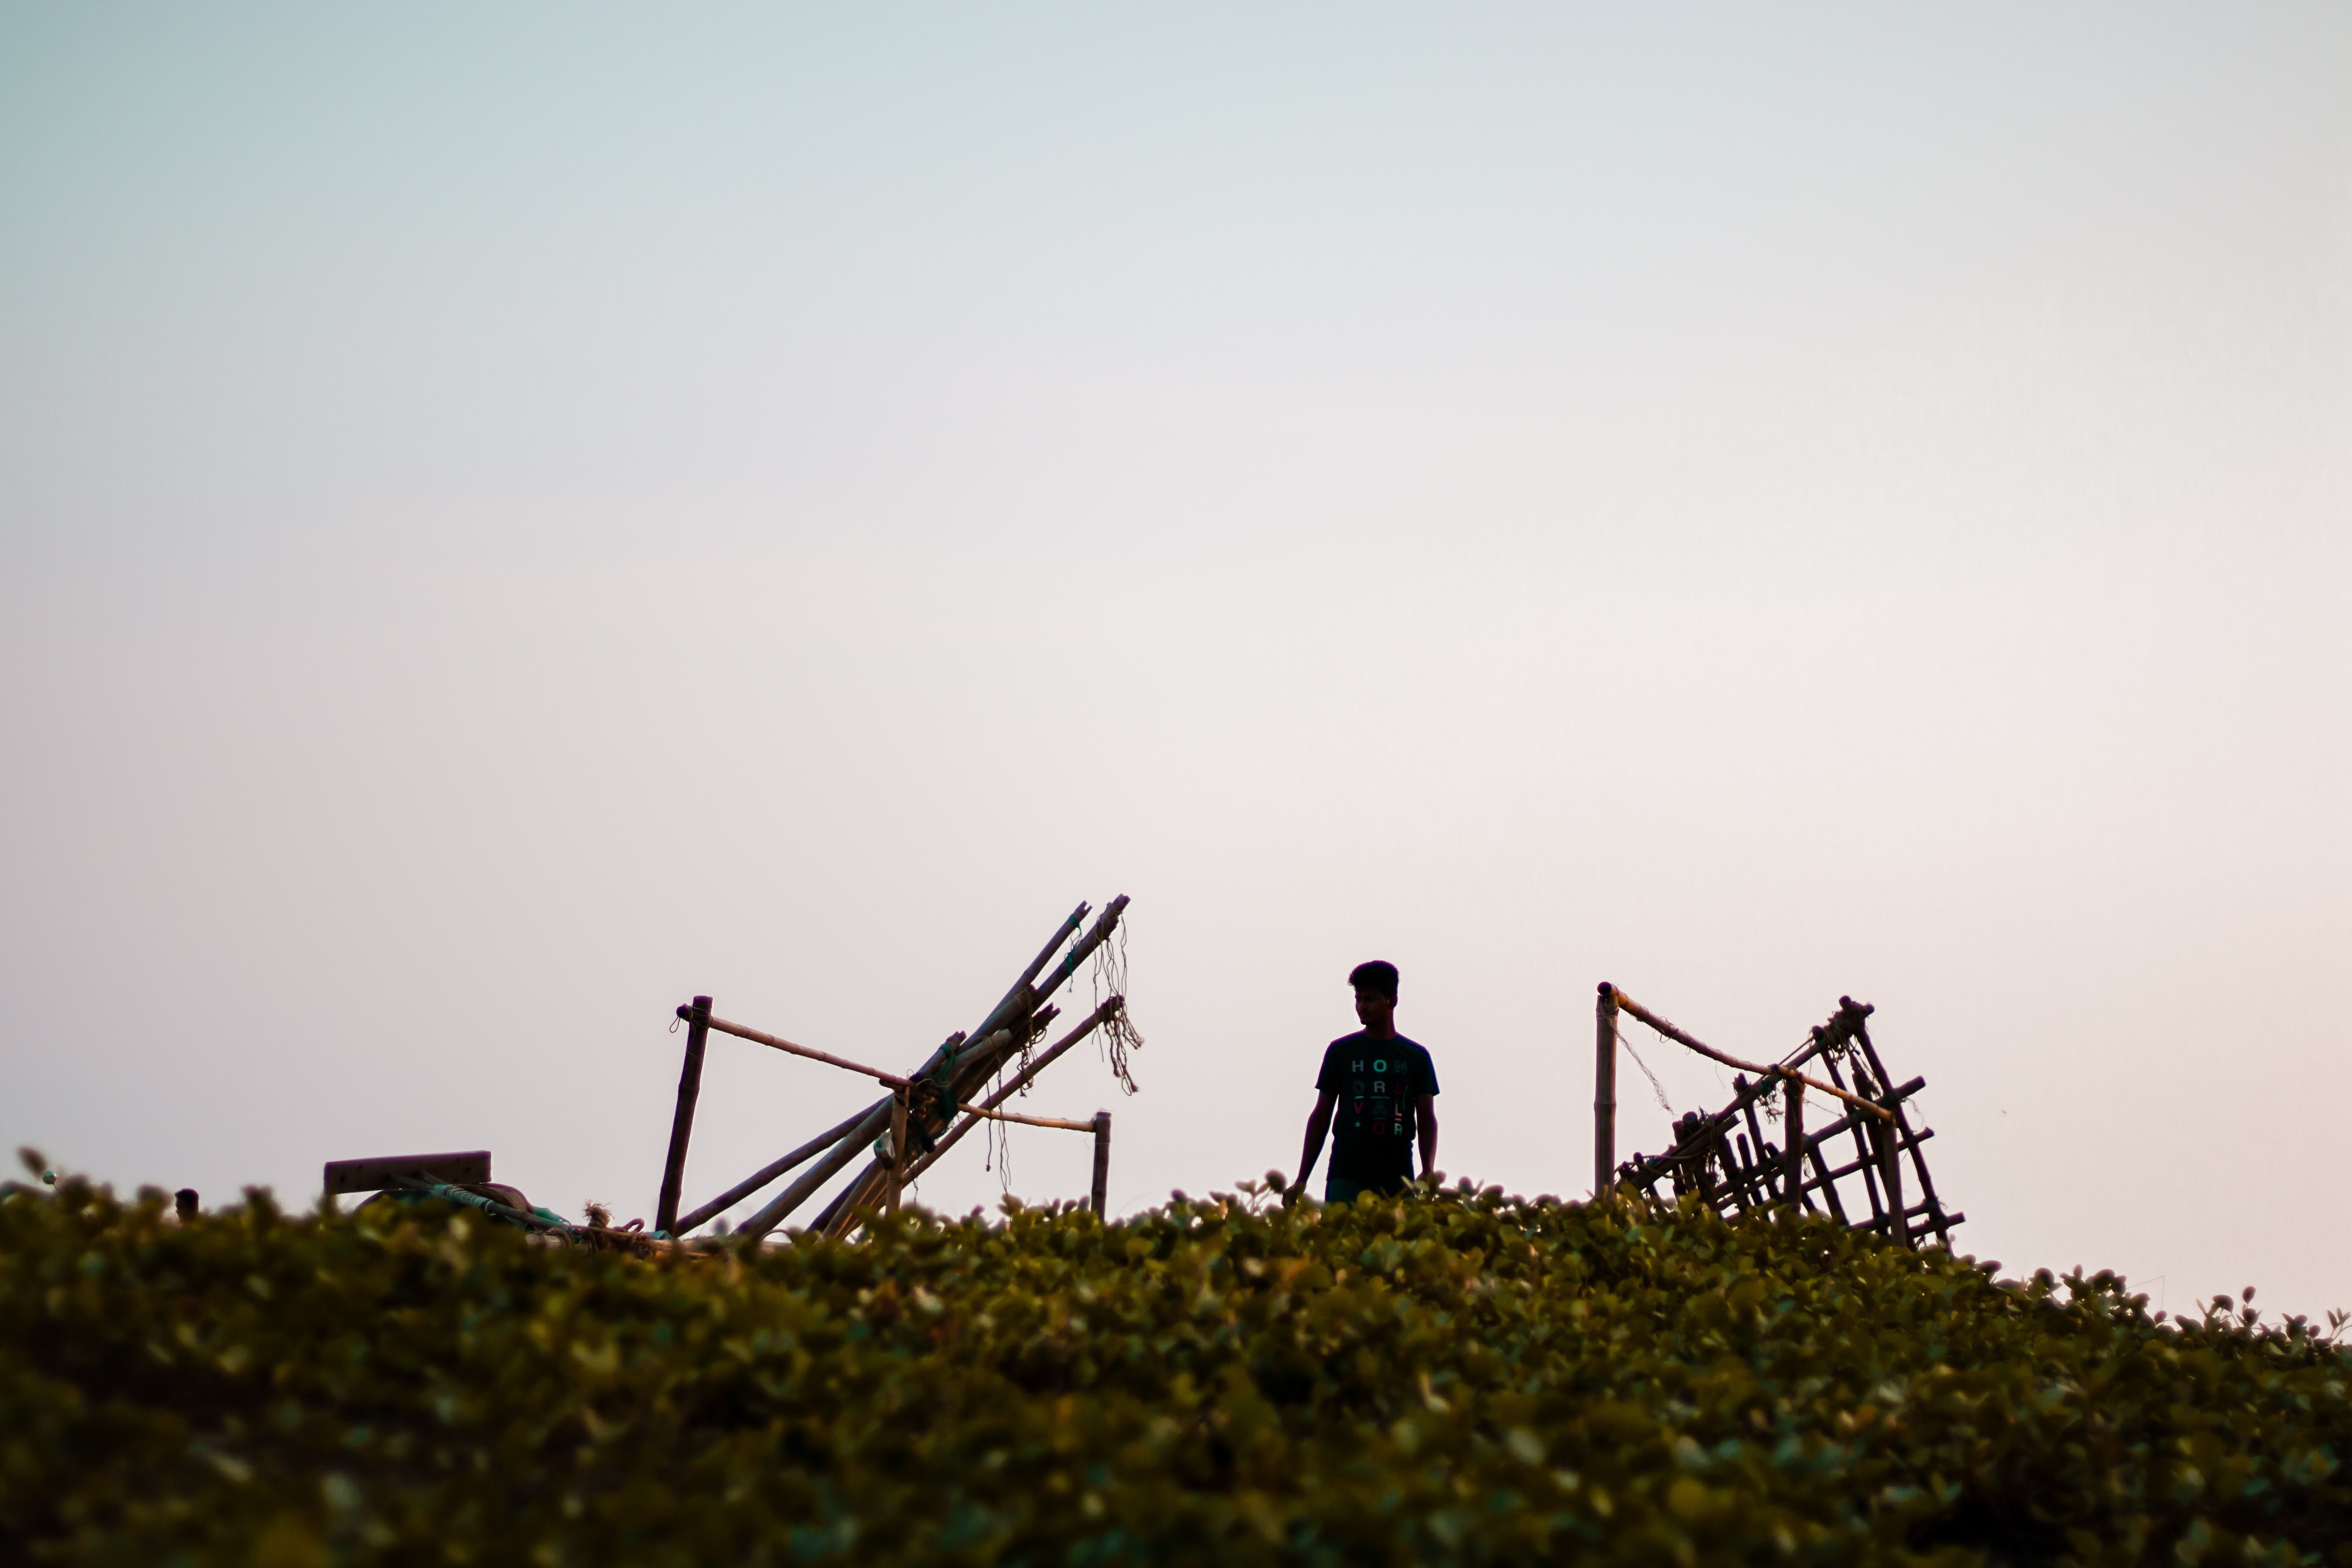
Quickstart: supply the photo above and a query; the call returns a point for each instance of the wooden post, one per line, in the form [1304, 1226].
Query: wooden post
[1890, 1175]
[1102, 1164]
[1604, 1090]
[898, 1150]
[681, 1127]
[1793, 1153]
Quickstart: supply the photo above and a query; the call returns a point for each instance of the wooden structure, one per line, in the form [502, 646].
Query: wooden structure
[924, 1112]
[1853, 1168]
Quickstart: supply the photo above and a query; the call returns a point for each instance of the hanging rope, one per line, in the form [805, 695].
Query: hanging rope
[1656, 1087]
[1118, 1034]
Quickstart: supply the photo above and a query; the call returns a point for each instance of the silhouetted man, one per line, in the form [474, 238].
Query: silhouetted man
[1382, 1087]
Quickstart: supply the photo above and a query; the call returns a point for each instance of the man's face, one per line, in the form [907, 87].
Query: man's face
[1372, 1009]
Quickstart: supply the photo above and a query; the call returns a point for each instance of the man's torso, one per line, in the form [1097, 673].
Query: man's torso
[1377, 1086]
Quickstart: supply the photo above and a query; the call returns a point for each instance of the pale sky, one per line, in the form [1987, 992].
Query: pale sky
[511, 517]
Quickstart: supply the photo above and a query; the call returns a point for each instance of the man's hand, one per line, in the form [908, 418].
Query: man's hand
[1318, 1127]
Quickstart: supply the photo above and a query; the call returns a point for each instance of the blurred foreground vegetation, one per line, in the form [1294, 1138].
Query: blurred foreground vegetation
[1459, 1378]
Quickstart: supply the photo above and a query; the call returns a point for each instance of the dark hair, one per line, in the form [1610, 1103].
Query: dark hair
[1378, 976]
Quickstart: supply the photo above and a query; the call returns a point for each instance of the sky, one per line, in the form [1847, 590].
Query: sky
[514, 517]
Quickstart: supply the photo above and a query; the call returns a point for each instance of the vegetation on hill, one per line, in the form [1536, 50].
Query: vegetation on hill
[1461, 1377]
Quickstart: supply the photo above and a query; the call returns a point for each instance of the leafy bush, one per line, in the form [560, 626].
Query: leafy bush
[1461, 1377]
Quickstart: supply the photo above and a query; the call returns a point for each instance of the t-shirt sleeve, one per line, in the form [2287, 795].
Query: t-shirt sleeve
[1428, 1073]
[1332, 1079]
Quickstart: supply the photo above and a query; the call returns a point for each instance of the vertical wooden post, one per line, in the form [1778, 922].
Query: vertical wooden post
[1102, 1164]
[681, 1127]
[897, 1149]
[1604, 1090]
[1890, 1175]
[1792, 1127]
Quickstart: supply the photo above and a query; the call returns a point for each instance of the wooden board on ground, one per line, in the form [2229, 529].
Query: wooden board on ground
[387, 1171]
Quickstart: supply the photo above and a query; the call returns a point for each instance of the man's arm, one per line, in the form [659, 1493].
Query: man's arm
[1425, 1115]
[1318, 1125]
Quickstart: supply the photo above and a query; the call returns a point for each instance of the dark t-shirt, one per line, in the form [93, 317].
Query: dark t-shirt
[1378, 1085]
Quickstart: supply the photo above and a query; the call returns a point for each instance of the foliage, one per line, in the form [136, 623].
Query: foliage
[1460, 1377]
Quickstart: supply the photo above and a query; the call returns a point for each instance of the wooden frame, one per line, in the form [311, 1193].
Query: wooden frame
[1724, 1158]
[908, 1113]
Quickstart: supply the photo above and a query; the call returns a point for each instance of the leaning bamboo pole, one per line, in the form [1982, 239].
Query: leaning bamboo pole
[1021, 1080]
[969, 1069]
[867, 1128]
[837, 1217]
[1019, 1002]
[1761, 1069]
[764, 1174]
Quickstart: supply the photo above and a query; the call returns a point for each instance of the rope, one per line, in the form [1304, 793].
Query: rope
[1118, 1034]
[1656, 1087]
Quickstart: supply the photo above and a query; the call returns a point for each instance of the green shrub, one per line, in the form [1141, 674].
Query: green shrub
[1461, 1377]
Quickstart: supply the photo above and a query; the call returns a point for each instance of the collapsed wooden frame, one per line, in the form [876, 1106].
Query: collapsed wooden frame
[1724, 1158]
[916, 1104]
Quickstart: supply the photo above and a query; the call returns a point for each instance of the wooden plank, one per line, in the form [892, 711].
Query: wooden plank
[375, 1175]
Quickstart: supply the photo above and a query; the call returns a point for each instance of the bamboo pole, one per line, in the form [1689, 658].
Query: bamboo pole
[1102, 1164]
[1604, 1089]
[1937, 1220]
[764, 1174]
[994, 1034]
[742, 1033]
[834, 1219]
[1890, 1142]
[867, 1128]
[1078, 954]
[1044, 956]
[897, 1150]
[1792, 1152]
[1756, 1131]
[1056, 1122]
[696, 1014]
[1763, 1070]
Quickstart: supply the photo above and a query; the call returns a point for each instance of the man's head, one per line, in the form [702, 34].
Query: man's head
[1376, 993]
